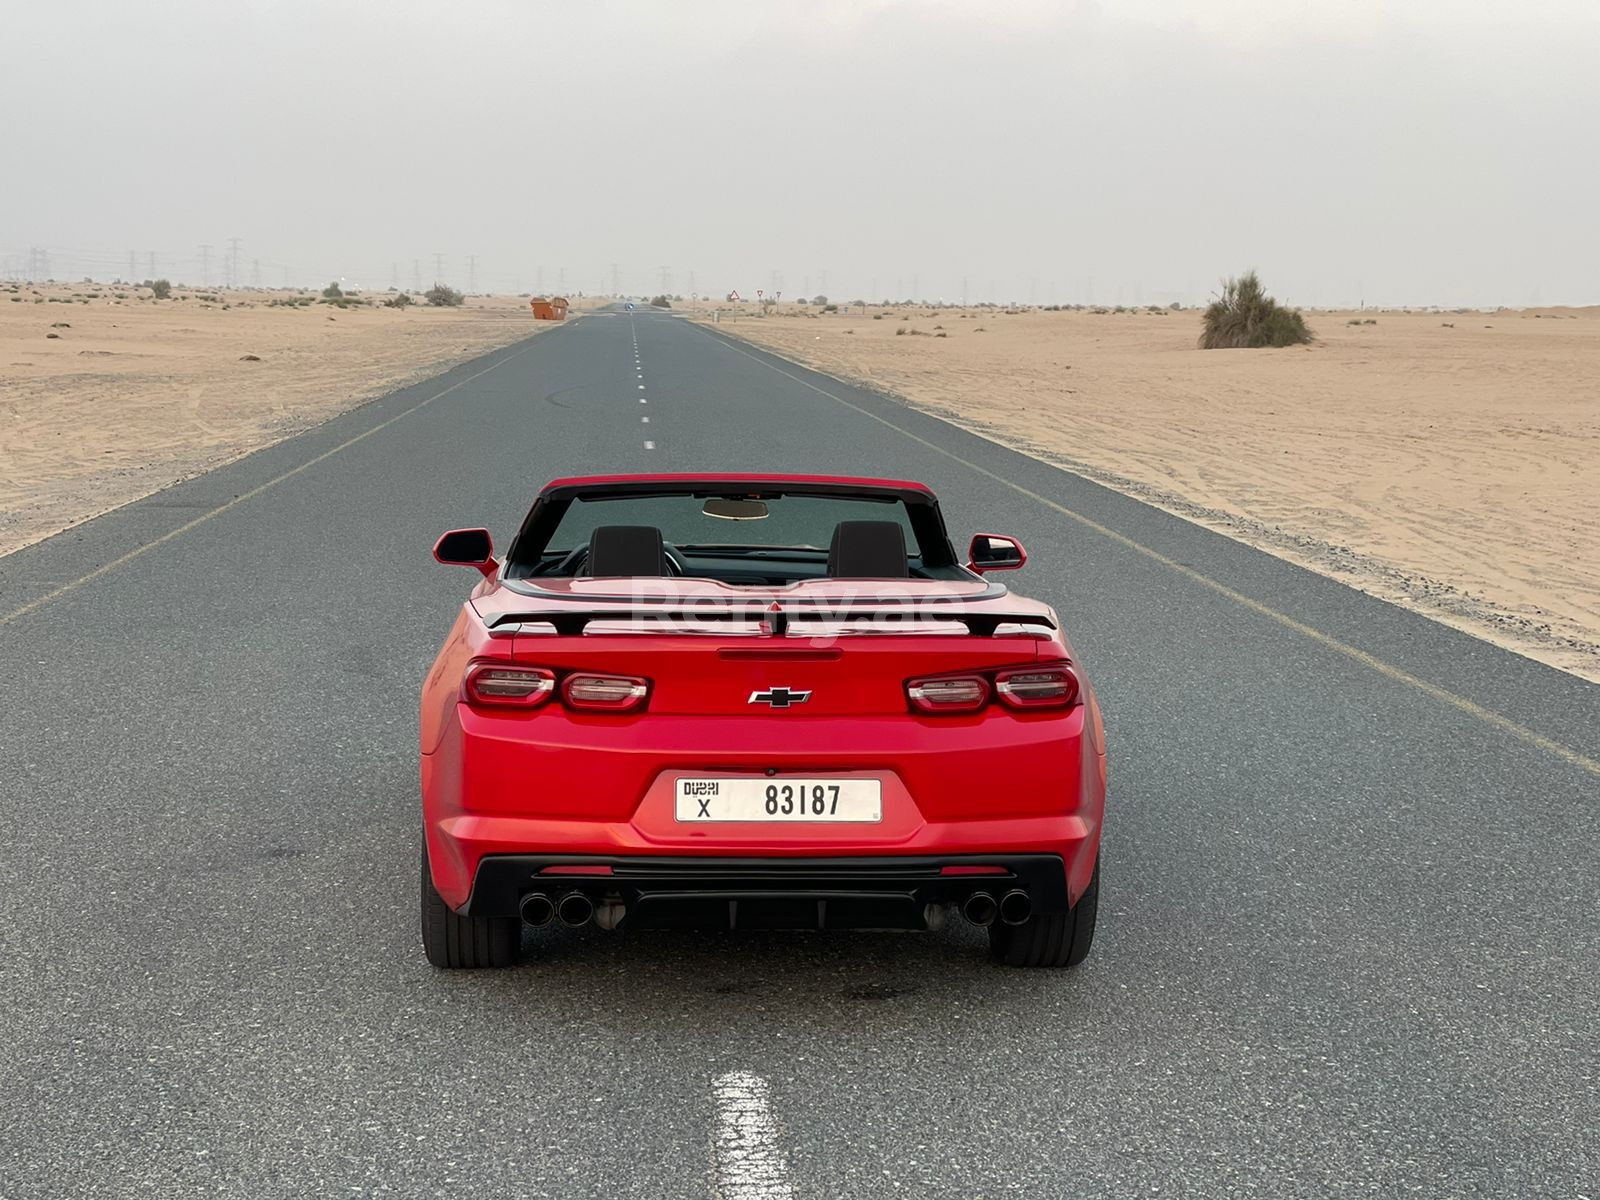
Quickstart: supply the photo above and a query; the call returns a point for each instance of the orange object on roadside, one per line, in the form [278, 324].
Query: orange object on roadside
[549, 309]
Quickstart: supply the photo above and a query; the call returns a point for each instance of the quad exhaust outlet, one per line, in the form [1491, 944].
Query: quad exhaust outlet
[1016, 906]
[537, 909]
[980, 908]
[575, 909]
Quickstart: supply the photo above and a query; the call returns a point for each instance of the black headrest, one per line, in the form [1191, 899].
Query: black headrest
[868, 550]
[626, 550]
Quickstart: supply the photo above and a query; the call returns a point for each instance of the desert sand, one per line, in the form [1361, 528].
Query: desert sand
[132, 394]
[1446, 461]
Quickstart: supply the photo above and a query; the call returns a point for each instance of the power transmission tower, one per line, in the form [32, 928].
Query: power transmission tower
[416, 275]
[472, 273]
[693, 291]
[438, 268]
[233, 262]
[133, 265]
[205, 266]
[150, 262]
[666, 281]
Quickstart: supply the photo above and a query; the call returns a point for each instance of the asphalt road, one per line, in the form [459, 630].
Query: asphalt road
[1350, 923]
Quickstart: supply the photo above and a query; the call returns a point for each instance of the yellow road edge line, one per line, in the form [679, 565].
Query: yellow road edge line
[1372, 662]
[106, 568]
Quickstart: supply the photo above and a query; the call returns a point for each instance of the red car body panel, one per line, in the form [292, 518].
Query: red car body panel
[555, 782]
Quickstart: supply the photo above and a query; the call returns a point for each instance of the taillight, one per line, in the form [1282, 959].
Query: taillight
[611, 693]
[508, 687]
[1041, 687]
[948, 693]
[1053, 686]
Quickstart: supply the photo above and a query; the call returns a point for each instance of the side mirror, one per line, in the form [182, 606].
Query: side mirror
[995, 552]
[467, 548]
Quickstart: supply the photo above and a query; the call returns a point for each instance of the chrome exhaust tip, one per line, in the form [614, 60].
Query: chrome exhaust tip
[1016, 907]
[537, 909]
[980, 909]
[575, 909]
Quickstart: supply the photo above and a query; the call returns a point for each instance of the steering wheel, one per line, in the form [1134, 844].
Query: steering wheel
[677, 565]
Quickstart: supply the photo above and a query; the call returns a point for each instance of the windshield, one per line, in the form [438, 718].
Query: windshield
[686, 522]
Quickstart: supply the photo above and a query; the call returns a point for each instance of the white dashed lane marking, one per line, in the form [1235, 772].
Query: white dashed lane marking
[649, 445]
[748, 1159]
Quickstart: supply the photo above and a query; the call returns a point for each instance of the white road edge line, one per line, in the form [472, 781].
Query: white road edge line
[1389, 671]
[39, 602]
[749, 1161]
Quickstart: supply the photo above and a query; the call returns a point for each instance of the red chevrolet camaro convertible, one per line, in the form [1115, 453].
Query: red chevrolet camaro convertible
[754, 702]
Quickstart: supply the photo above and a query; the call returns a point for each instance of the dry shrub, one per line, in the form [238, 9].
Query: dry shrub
[1245, 317]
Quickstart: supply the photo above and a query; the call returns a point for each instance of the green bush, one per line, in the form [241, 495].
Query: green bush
[1244, 316]
[442, 296]
[161, 288]
[660, 302]
[400, 301]
[333, 291]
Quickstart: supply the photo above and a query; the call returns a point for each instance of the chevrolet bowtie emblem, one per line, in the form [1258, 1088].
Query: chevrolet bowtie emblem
[779, 697]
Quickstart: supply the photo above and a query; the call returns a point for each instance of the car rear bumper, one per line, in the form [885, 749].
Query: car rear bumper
[880, 892]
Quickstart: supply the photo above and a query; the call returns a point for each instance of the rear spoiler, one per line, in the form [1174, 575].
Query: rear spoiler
[774, 619]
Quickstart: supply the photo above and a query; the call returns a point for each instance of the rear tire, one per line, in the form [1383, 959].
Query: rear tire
[455, 942]
[1050, 939]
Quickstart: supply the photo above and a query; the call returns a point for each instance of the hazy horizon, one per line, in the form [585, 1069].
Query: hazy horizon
[1129, 152]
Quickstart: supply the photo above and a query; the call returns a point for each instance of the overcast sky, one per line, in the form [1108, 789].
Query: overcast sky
[1413, 152]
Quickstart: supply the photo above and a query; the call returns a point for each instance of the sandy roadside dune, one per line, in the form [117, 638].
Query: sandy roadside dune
[1447, 461]
[133, 394]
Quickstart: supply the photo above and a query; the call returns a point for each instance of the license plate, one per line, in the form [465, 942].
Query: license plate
[808, 800]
